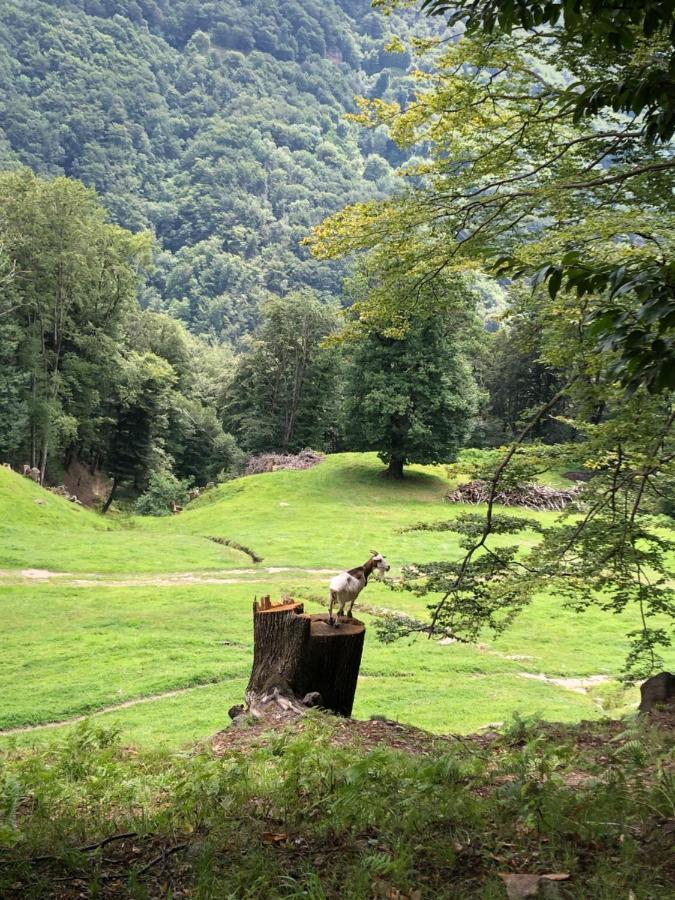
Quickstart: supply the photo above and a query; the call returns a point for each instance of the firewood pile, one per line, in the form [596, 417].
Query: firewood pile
[62, 491]
[532, 496]
[271, 462]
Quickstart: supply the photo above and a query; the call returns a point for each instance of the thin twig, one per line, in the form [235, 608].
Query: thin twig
[161, 856]
[109, 840]
[88, 847]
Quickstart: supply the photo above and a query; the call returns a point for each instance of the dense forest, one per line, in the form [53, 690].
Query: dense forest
[161, 314]
[89, 376]
[218, 126]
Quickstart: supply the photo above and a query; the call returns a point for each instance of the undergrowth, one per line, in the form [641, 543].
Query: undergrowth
[301, 817]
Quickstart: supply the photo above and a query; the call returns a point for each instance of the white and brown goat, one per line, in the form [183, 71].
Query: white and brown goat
[346, 587]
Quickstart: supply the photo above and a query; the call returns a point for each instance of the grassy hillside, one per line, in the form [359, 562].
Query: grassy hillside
[41, 530]
[330, 516]
[143, 608]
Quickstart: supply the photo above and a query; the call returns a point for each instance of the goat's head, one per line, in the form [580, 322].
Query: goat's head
[380, 564]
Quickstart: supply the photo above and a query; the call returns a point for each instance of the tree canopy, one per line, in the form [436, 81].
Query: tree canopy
[519, 182]
[216, 125]
[283, 395]
[85, 373]
[411, 398]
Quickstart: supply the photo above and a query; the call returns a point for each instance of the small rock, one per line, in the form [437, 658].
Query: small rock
[521, 886]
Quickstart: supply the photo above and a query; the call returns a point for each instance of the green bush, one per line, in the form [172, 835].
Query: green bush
[163, 490]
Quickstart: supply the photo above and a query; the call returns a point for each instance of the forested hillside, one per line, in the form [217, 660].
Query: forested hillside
[217, 125]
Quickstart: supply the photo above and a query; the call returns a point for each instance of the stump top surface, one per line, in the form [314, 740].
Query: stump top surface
[281, 607]
[321, 628]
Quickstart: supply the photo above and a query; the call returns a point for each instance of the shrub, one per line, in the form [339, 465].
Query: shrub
[164, 489]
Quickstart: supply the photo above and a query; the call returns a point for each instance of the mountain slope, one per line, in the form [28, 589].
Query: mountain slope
[217, 125]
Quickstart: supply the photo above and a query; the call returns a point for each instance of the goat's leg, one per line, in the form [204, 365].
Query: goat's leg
[330, 609]
[351, 607]
[341, 609]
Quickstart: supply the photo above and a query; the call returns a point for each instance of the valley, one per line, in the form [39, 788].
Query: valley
[119, 610]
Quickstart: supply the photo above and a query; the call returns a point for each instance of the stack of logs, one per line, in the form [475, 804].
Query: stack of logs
[532, 496]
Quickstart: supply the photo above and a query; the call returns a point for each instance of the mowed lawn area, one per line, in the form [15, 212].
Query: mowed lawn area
[155, 608]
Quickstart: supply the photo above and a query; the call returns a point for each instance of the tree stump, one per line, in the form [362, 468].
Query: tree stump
[297, 656]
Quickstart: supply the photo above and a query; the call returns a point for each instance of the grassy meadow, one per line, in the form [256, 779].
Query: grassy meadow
[128, 609]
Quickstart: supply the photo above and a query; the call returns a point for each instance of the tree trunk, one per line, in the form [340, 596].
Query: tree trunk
[111, 496]
[43, 457]
[395, 468]
[296, 654]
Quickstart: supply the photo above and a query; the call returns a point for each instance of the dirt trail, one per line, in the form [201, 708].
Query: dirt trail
[93, 579]
[24, 729]
[578, 685]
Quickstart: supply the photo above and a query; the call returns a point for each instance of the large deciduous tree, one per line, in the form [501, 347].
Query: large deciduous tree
[139, 420]
[410, 397]
[74, 278]
[283, 394]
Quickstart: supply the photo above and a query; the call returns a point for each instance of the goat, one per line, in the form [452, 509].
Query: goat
[348, 585]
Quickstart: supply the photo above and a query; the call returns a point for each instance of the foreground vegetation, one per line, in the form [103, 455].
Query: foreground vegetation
[329, 810]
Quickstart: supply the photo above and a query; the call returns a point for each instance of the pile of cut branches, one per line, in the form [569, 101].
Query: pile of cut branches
[532, 496]
[270, 462]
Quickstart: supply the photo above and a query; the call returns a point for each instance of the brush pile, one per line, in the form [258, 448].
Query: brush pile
[62, 491]
[271, 462]
[532, 496]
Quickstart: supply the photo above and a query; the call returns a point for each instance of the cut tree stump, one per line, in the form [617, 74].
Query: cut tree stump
[297, 656]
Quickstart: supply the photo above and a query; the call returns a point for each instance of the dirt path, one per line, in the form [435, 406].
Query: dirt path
[25, 729]
[578, 685]
[94, 579]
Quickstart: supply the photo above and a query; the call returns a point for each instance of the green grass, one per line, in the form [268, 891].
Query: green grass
[339, 510]
[70, 649]
[41, 530]
[328, 516]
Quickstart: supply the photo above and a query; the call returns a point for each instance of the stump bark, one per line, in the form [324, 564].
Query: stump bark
[297, 655]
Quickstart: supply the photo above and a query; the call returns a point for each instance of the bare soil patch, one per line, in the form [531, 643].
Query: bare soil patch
[578, 685]
[93, 579]
[365, 734]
